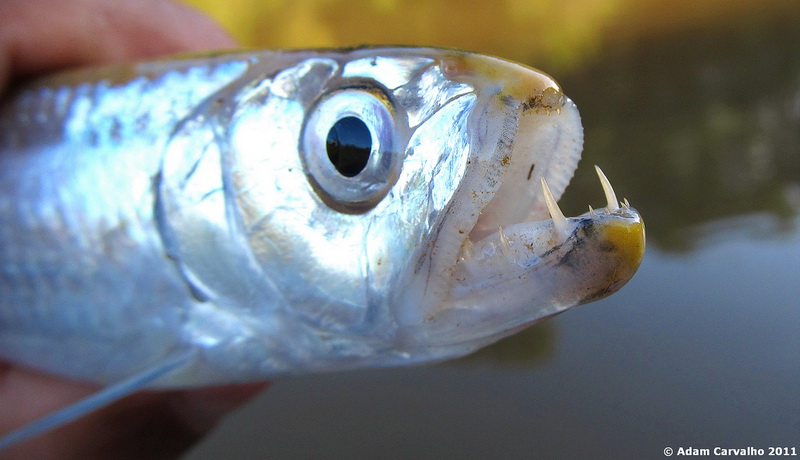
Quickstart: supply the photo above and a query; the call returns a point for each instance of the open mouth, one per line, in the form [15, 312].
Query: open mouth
[523, 260]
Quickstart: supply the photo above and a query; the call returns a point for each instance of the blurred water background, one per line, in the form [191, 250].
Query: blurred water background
[693, 110]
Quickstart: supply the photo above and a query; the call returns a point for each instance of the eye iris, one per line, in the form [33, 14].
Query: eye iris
[349, 144]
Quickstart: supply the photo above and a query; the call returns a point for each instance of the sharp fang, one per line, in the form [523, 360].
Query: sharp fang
[559, 221]
[505, 246]
[591, 211]
[625, 203]
[611, 197]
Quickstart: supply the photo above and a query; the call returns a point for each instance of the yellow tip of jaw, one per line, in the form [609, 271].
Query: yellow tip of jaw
[626, 242]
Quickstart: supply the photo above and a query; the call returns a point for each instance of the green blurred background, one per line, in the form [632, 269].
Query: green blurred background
[693, 110]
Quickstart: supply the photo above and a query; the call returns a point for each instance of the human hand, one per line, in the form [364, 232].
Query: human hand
[148, 424]
[41, 36]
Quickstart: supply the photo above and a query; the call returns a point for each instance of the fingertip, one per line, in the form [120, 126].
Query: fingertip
[178, 28]
[39, 36]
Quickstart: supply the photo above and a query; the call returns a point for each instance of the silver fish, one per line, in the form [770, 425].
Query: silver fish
[243, 216]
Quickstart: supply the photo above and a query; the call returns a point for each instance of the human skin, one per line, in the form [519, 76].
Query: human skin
[43, 36]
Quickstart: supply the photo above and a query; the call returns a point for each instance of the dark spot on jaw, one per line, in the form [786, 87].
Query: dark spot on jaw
[602, 293]
[607, 247]
[549, 100]
[551, 250]
[535, 103]
[529, 104]
[573, 257]
[419, 264]
[530, 171]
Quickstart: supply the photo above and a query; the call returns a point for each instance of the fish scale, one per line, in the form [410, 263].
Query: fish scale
[82, 209]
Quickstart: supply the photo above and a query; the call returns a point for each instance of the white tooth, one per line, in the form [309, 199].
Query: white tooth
[559, 221]
[591, 211]
[625, 203]
[505, 246]
[611, 197]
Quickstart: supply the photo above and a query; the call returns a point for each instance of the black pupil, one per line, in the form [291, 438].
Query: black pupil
[349, 144]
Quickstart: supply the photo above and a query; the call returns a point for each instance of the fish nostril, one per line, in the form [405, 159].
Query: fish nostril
[349, 144]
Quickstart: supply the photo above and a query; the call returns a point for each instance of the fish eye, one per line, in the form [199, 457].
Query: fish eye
[351, 148]
[349, 144]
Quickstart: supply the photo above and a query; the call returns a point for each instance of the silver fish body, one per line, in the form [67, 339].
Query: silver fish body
[206, 206]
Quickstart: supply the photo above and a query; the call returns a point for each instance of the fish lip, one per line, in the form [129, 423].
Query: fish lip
[551, 239]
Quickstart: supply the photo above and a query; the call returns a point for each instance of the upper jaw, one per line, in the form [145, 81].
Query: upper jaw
[547, 146]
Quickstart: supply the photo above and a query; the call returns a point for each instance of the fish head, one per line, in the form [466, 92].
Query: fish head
[382, 206]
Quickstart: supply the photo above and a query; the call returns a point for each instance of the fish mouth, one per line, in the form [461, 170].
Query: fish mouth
[515, 258]
[529, 271]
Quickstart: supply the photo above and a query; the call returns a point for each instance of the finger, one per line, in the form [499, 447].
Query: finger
[152, 424]
[27, 395]
[38, 36]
